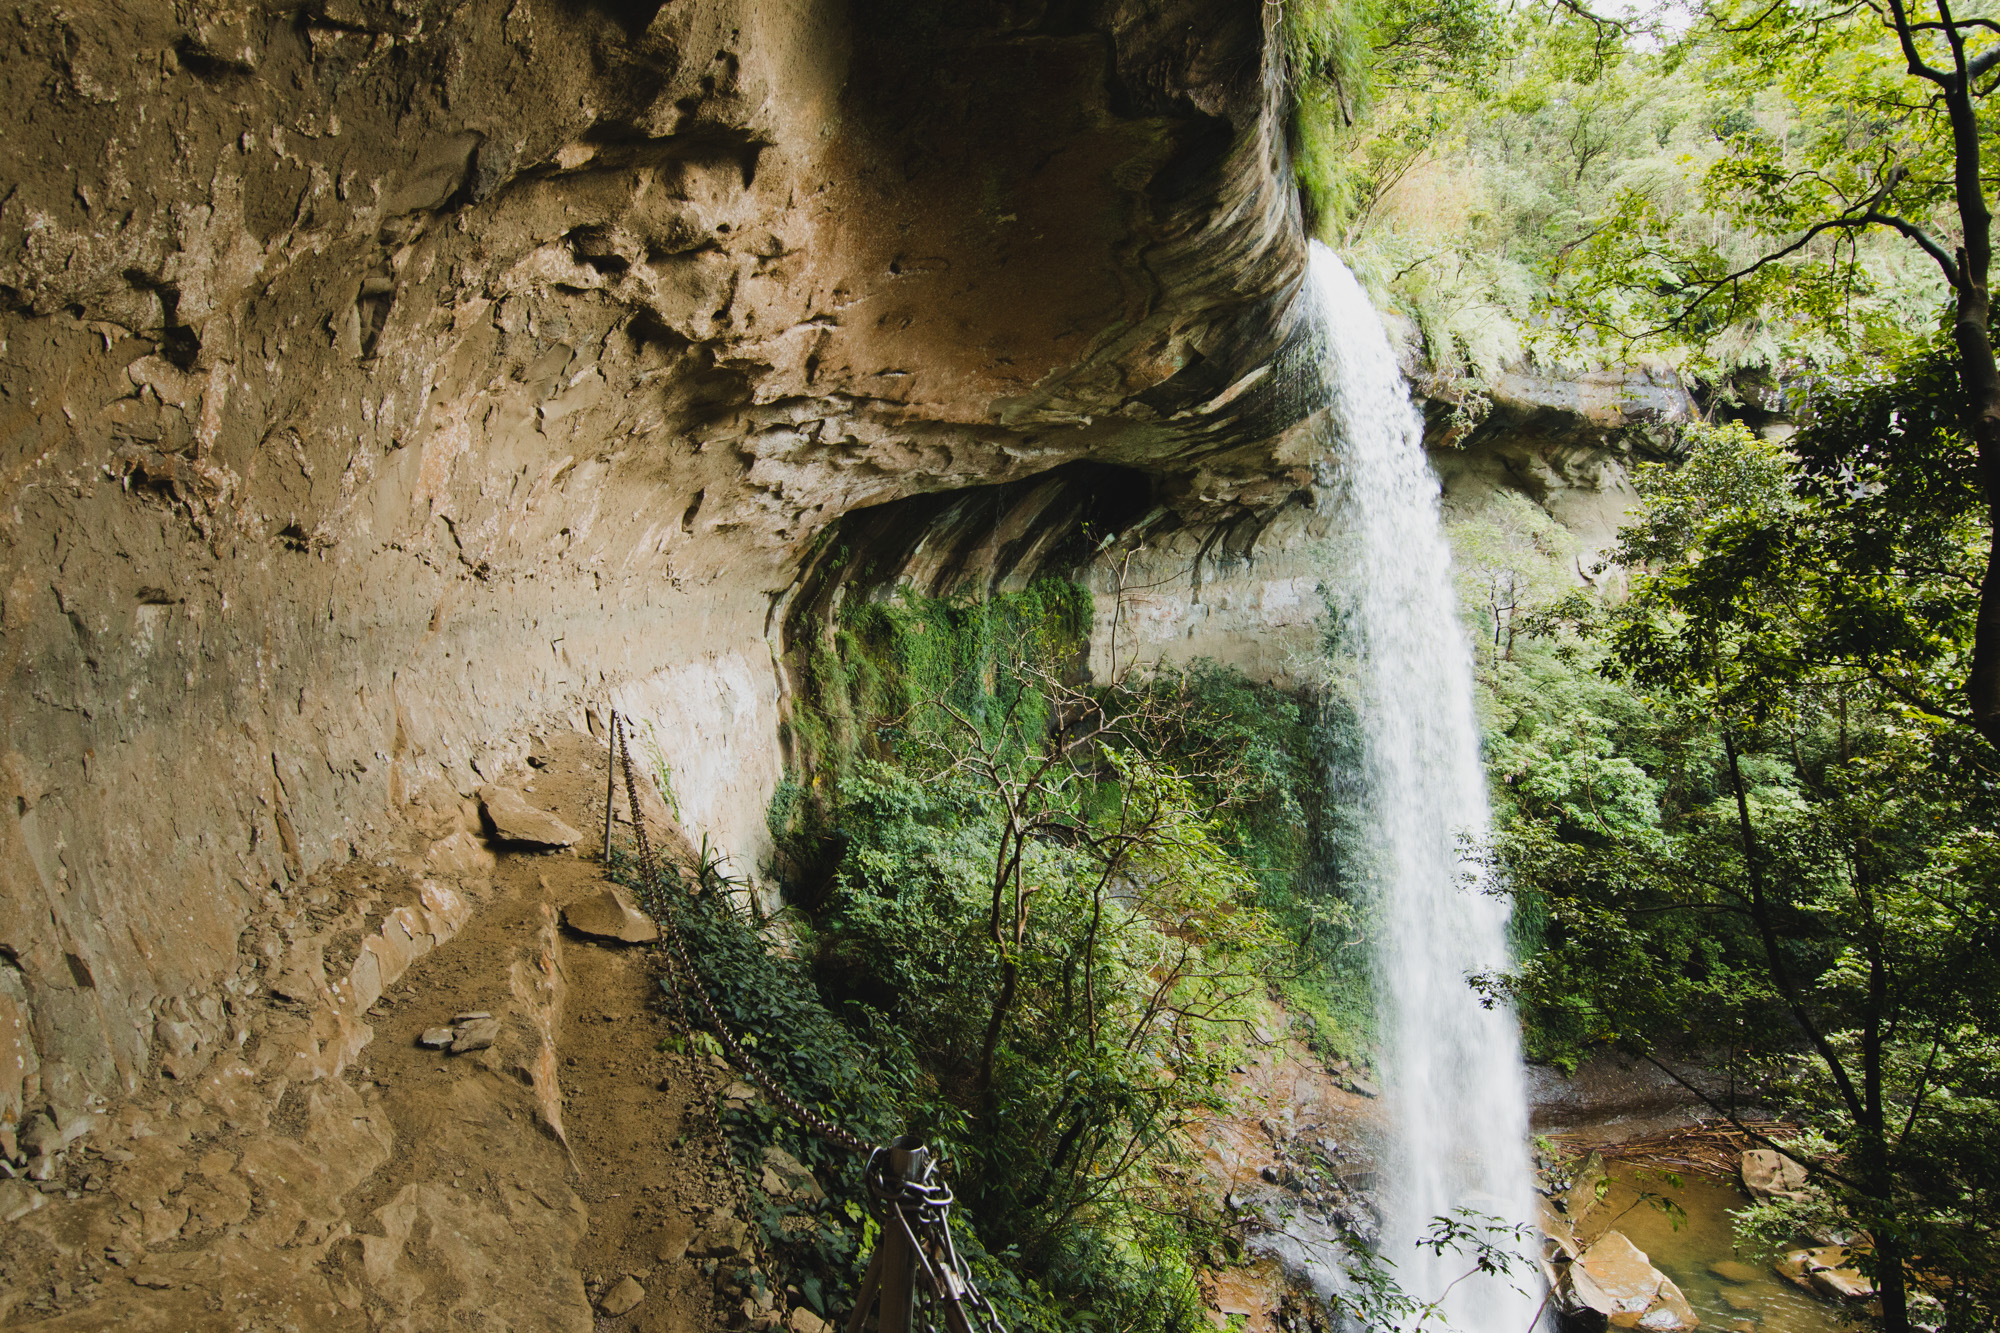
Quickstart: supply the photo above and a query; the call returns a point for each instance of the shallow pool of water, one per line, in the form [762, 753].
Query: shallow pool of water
[1726, 1291]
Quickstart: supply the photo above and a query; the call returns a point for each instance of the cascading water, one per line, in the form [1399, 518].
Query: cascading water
[1452, 1068]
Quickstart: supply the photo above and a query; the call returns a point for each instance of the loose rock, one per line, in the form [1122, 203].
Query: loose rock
[670, 1243]
[803, 1320]
[610, 915]
[623, 1298]
[517, 821]
[477, 1035]
[723, 1238]
[17, 1200]
[787, 1177]
[436, 1038]
[41, 1137]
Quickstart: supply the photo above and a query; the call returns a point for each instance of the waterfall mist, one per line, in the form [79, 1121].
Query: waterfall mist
[1451, 1068]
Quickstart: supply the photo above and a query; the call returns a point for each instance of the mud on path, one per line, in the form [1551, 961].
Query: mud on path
[308, 1165]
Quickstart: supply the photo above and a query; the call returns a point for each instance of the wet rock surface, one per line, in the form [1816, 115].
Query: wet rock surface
[1614, 1278]
[1293, 1162]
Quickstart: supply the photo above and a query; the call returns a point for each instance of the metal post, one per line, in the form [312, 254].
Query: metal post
[898, 1263]
[610, 785]
[870, 1284]
[893, 1270]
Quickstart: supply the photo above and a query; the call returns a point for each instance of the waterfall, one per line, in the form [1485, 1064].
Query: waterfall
[1452, 1079]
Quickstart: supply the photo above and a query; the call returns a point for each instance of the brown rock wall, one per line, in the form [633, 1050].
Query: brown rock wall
[382, 378]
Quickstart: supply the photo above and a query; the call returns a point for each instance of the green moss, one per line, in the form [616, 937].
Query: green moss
[889, 670]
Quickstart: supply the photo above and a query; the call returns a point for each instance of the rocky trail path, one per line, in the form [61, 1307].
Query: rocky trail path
[302, 1161]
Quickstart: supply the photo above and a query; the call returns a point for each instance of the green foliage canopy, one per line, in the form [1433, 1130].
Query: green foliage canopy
[1777, 847]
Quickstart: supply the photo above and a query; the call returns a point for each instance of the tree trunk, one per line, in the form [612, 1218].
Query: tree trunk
[1981, 379]
[1891, 1284]
[1873, 1122]
[1010, 975]
[1979, 376]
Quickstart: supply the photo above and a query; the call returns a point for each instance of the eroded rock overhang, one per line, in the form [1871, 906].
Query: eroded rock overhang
[385, 379]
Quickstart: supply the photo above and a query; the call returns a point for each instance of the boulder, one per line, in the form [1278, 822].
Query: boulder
[1582, 1195]
[1828, 1270]
[1615, 1278]
[610, 915]
[1768, 1174]
[517, 821]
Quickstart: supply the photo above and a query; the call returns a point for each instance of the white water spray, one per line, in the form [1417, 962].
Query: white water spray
[1452, 1068]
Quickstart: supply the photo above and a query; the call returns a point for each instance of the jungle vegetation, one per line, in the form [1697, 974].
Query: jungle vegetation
[1037, 919]
[1746, 779]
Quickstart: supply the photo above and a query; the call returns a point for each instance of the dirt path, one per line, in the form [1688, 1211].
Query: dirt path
[317, 1168]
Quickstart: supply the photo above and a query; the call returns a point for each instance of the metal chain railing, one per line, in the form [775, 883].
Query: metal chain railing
[914, 1209]
[916, 1272]
[698, 1068]
[685, 979]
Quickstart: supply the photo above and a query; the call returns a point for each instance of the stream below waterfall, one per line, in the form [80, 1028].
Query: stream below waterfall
[1698, 1251]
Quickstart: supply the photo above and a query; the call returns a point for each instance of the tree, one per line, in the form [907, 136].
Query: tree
[1818, 884]
[1885, 109]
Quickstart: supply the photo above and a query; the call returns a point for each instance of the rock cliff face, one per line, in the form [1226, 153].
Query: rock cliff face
[384, 380]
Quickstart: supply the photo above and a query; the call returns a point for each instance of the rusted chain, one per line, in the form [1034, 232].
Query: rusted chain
[698, 1069]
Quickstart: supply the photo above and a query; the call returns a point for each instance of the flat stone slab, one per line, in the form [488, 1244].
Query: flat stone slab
[517, 821]
[476, 1035]
[610, 915]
